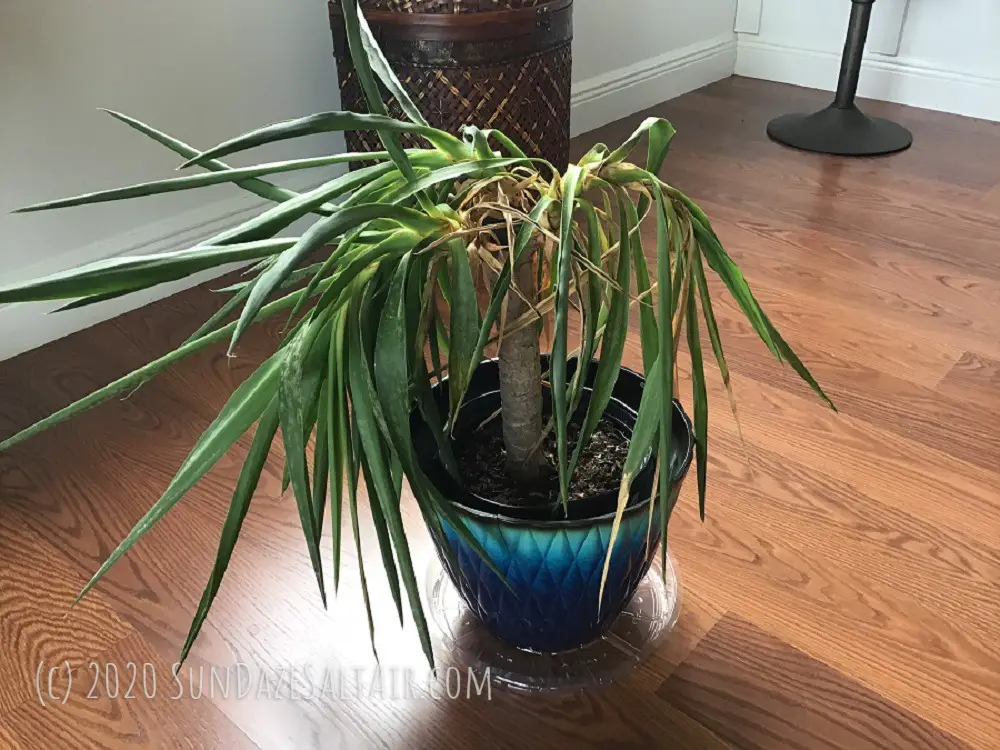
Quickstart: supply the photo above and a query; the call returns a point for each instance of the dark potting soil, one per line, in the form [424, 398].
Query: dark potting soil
[482, 464]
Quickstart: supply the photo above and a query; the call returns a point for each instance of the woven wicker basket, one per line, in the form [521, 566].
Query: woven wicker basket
[504, 64]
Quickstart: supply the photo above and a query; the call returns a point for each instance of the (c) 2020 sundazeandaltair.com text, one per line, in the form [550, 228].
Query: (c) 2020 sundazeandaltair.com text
[59, 683]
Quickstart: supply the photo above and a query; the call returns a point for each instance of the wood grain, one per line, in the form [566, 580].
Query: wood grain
[843, 593]
[759, 693]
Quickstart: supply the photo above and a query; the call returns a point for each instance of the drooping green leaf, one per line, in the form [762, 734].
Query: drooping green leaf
[244, 408]
[191, 182]
[115, 274]
[277, 218]
[648, 331]
[328, 122]
[729, 272]
[338, 442]
[464, 325]
[375, 505]
[246, 485]
[352, 466]
[321, 460]
[660, 133]
[572, 183]
[788, 355]
[138, 377]
[253, 185]
[613, 344]
[216, 319]
[365, 403]
[319, 234]
[665, 312]
[292, 411]
[644, 432]
[699, 397]
[588, 290]
[709, 314]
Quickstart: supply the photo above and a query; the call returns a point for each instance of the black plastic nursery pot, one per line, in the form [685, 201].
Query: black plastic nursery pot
[552, 563]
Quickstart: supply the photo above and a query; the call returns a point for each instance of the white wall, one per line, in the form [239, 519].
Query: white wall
[201, 71]
[205, 70]
[632, 54]
[948, 56]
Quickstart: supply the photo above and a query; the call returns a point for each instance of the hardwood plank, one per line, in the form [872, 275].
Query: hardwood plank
[881, 397]
[759, 693]
[974, 377]
[122, 698]
[37, 630]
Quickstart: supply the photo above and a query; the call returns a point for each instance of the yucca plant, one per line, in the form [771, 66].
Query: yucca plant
[382, 296]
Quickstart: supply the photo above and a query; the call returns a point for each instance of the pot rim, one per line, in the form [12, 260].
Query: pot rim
[572, 523]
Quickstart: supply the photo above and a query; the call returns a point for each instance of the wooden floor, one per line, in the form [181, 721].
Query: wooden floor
[845, 594]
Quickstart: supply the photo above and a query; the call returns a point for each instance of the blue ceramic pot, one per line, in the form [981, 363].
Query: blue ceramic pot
[552, 565]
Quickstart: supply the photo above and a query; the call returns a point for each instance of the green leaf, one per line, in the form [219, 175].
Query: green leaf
[709, 314]
[244, 408]
[392, 357]
[648, 332]
[353, 21]
[508, 145]
[464, 325]
[292, 411]
[384, 71]
[116, 274]
[329, 122]
[699, 397]
[321, 461]
[364, 401]
[136, 378]
[375, 505]
[338, 442]
[279, 217]
[319, 234]
[792, 358]
[358, 267]
[220, 315]
[644, 433]
[615, 335]
[97, 298]
[191, 182]
[665, 312]
[352, 493]
[730, 273]
[246, 485]
[451, 174]
[590, 305]
[660, 134]
[571, 185]
[253, 185]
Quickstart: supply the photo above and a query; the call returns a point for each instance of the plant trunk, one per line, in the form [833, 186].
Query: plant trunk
[521, 382]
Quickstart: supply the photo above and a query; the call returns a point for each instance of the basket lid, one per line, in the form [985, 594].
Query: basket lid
[447, 6]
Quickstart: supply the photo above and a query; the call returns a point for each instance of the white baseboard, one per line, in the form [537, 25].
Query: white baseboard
[25, 326]
[891, 79]
[612, 96]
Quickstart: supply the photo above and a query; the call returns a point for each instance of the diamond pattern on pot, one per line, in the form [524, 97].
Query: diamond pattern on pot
[553, 575]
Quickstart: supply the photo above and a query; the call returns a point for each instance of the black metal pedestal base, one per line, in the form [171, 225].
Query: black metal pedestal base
[844, 131]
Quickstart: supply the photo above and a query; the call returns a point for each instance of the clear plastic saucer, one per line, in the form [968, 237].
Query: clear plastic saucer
[464, 641]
